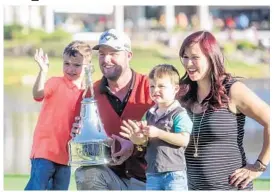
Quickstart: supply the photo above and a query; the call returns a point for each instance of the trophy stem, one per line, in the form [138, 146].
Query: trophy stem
[88, 81]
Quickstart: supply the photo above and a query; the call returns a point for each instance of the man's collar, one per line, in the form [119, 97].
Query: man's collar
[104, 85]
[104, 88]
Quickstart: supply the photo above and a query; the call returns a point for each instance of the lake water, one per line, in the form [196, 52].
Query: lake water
[21, 113]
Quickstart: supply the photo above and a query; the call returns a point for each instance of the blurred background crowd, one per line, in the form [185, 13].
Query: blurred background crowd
[247, 26]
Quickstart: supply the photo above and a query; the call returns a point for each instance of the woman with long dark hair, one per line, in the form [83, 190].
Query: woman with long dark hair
[218, 104]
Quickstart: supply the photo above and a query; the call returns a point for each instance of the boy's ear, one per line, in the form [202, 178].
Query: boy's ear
[129, 54]
[177, 88]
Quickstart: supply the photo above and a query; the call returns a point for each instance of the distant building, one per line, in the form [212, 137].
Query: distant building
[89, 21]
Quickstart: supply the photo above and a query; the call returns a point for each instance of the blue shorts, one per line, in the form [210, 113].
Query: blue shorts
[174, 180]
[47, 175]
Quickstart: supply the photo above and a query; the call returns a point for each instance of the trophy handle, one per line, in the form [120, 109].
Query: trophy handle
[98, 121]
[83, 112]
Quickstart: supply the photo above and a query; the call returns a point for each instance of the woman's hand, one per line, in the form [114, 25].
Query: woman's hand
[241, 177]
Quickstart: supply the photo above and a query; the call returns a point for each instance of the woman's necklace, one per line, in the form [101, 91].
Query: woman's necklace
[196, 142]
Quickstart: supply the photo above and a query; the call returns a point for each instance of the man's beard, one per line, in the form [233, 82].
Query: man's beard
[115, 75]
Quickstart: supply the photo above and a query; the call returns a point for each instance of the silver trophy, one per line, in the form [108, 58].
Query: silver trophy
[91, 145]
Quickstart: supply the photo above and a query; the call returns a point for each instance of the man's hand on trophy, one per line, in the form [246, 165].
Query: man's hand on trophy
[76, 127]
[122, 154]
[42, 60]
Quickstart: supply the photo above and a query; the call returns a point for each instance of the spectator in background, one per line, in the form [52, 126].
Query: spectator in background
[230, 25]
[182, 20]
[218, 23]
[195, 23]
[242, 21]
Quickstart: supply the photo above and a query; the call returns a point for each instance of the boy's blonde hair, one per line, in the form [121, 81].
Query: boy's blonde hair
[162, 70]
[79, 47]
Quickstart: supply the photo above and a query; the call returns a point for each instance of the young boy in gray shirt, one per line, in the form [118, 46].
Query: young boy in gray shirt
[165, 130]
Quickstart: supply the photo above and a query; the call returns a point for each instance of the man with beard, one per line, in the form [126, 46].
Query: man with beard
[121, 94]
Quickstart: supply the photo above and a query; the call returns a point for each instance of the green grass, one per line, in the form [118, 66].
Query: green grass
[18, 182]
[143, 60]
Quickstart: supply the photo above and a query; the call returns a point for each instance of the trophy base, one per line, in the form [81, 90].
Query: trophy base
[88, 163]
[89, 153]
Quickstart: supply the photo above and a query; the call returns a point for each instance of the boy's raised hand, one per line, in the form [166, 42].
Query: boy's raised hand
[42, 60]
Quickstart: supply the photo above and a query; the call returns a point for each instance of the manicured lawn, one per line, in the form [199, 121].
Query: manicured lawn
[18, 182]
[143, 61]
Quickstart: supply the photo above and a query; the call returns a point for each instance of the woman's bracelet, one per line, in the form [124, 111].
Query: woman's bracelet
[261, 162]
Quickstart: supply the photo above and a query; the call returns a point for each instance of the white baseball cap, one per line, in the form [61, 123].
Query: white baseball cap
[117, 40]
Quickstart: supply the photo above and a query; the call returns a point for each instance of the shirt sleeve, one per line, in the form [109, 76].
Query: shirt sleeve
[144, 118]
[49, 88]
[182, 123]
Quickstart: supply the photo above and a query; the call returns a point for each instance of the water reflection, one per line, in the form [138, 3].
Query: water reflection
[253, 130]
[21, 113]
